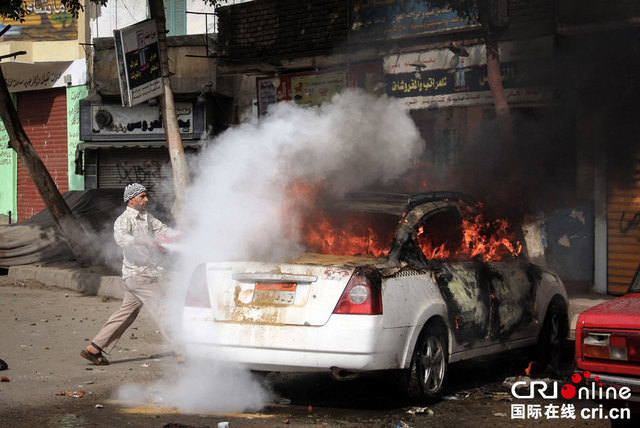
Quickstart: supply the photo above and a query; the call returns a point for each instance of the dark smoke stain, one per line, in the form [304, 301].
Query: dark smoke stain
[516, 174]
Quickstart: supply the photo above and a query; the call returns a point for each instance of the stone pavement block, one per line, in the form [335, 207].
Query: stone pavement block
[91, 281]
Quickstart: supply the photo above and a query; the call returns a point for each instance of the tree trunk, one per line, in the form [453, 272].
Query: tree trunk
[69, 227]
[169, 118]
[493, 25]
[495, 79]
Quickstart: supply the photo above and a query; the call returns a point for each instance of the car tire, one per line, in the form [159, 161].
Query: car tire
[553, 334]
[428, 371]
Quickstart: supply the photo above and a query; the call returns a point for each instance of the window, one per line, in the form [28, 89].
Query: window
[176, 16]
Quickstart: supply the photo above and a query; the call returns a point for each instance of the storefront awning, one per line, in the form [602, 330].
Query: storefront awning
[27, 76]
[124, 145]
[133, 144]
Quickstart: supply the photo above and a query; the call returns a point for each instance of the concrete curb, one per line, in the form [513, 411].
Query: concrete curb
[82, 280]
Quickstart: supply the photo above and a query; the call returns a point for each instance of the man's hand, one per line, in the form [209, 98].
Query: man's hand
[167, 238]
[145, 242]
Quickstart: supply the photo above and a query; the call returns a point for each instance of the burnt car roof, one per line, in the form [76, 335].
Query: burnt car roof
[396, 203]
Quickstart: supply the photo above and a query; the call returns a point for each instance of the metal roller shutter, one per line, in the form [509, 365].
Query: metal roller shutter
[44, 117]
[623, 234]
[151, 167]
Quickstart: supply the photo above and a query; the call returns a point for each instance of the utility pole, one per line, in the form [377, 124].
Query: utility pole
[169, 118]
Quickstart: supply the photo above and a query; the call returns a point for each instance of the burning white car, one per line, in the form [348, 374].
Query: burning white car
[410, 282]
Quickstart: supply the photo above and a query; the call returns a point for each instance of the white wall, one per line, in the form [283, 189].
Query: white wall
[121, 13]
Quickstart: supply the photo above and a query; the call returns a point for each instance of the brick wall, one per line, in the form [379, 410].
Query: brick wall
[534, 15]
[271, 30]
[266, 30]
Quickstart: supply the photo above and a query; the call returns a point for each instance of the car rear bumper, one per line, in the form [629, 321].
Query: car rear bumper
[349, 342]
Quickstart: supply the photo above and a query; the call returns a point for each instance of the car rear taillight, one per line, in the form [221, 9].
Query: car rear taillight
[362, 295]
[611, 346]
[198, 291]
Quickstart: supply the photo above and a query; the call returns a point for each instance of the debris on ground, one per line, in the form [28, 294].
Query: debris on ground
[500, 414]
[4, 379]
[76, 394]
[99, 406]
[525, 381]
[3, 365]
[457, 396]
[501, 396]
[420, 411]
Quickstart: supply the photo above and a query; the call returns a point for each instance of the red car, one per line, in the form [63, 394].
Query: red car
[608, 344]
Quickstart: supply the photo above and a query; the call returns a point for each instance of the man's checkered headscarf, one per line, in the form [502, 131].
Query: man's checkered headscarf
[132, 190]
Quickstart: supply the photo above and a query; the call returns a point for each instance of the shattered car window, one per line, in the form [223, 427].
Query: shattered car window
[344, 233]
[451, 235]
[440, 236]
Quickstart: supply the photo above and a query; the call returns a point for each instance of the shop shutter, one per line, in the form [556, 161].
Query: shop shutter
[44, 117]
[623, 234]
[149, 166]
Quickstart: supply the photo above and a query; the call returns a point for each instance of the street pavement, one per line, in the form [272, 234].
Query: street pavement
[44, 330]
[45, 327]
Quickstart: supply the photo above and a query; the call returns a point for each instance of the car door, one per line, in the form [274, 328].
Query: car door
[513, 284]
[468, 296]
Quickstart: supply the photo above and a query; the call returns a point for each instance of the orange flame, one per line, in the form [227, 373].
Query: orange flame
[344, 233]
[345, 236]
[527, 371]
[357, 233]
[490, 241]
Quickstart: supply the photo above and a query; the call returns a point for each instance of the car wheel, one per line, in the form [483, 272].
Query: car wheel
[552, 337]
[428, 371]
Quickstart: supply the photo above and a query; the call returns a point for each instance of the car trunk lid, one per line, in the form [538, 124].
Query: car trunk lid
[264, 293]
[620, 313]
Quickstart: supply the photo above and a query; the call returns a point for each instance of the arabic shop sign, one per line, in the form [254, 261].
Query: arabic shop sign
[439, 78]
[43, 20]
[309, 89]
[462, 79]
[378, 19]
[138, 60]
[109, 122]
[314, 89]
[30, 77]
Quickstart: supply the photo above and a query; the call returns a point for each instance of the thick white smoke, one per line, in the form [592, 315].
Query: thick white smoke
[201, 386]
[234, 208]
[235, 204]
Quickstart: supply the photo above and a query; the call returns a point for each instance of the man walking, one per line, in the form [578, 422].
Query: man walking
[136, 231]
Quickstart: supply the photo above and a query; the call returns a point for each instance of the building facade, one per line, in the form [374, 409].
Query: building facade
[68, 59]
[560, 168]
[46, 83]
[567, 68]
